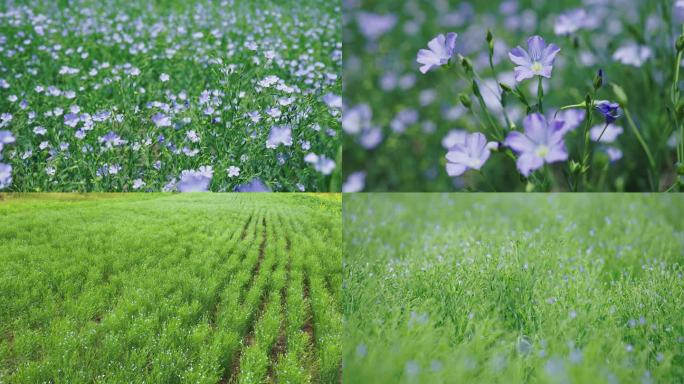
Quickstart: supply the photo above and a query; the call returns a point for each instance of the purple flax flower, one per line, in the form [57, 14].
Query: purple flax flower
[453, 137]
[440, 52]
[321, 163]
[72, 119]
[614, 154]
[373, 25]
[6, 137]
[5, 175]
[111, 139]
[541, 143]
[195, 181]
[610, 111]
[572, 118]
[472, 154]
[161, 120]
[355, 182]
[538, 62]
[254, 185]
[633, 54]
[279, 135]
[570, 22]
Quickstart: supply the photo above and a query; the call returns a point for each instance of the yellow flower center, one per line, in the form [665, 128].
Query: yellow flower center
[536, 66]
[542, 151]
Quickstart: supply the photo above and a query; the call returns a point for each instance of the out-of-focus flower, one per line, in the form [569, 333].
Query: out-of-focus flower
[161, 120]
[254, 185]
[440, 52]
[6, 137]
[138, 183]
[355, 182]
[572, 118]
[321, 163]
[472, 154]
[614, 154]
[632, 54]
[195, 181]
[453, 137]
[607, 134]
[356, 118]
[373, 25]
[541, 143]
[111, 139]
[5, 175]
[536, 61]
[233, 171]
[570, 22]
[333, 100]
[279, 135]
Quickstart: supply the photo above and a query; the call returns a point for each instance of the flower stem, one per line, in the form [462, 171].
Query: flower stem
[602, 132]
[540, 96]
[641, 139]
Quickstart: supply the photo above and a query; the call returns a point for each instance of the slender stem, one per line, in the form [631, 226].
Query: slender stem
[585, 148]
[540, 96]
[641, 139]
[483, 106]
[602, 132]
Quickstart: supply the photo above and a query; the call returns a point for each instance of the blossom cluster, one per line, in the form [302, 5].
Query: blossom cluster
[101, 98]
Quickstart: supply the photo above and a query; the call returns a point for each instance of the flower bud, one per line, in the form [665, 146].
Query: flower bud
[620, 94]
[467, 65]
[598, 80]
[465, 100]
[476, 89]
[575, 167]
[680, 43]
[505, 87]
[680, 169]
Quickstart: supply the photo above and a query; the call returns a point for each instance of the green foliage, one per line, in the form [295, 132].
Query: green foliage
[167, 288]
[510, 288]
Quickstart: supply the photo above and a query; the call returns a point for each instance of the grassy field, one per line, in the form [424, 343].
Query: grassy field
[151, 95]
[512, 289]
[160, 288]
[399, 124]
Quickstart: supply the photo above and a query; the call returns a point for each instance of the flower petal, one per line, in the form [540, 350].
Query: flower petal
[549, 54]
[450, 42]
[535, 47]
[455, 169]
[536, 128]
[519, 142]
[556, 153]
[529, 162]
[520, 57]
[522, 73]
[437, 45]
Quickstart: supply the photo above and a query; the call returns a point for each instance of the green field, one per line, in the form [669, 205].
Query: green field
[513, 289]
[161, 288]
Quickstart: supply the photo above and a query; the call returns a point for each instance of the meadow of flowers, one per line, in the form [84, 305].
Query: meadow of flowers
[164, 96]
[513, 95]
[566, 288]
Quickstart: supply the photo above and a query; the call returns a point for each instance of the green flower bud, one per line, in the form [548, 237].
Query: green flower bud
[476, 89]
[680, 43]
[620, 94]
[465, 100]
